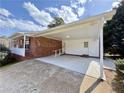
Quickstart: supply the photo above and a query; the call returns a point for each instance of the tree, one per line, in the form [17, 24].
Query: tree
[56, 22]
[114, 32]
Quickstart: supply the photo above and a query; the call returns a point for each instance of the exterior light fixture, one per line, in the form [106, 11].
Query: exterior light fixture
[67, 36]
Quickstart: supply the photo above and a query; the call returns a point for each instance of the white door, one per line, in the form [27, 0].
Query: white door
[86, 48]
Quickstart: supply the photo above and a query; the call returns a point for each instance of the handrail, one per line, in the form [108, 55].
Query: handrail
[58, 52]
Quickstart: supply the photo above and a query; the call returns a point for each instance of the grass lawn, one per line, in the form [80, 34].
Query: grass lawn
[118, 82]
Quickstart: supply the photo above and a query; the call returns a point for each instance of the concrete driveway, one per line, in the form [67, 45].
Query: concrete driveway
[38, 77]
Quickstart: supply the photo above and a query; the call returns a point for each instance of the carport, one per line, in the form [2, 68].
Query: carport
[82, 38]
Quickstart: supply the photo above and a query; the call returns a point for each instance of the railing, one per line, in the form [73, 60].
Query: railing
[18, 51]
[58, 52]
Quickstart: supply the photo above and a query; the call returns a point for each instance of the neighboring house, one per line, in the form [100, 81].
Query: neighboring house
[4, 41]
[84, 38]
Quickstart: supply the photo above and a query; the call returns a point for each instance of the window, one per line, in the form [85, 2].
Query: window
[85, 44]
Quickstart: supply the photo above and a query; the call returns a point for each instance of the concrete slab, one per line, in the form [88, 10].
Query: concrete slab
[84, 65]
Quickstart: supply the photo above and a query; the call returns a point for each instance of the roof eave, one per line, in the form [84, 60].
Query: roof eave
[107, 16]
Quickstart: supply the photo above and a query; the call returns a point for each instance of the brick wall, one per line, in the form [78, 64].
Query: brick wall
[41, 46]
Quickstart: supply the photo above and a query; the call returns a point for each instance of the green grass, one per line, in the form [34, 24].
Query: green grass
[120, 64]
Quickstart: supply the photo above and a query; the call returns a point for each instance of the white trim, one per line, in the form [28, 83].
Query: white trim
[50, 38]
[101, 50]
[24, 43]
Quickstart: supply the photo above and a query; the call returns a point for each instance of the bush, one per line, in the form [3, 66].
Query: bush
[120, 64]
[4, 55]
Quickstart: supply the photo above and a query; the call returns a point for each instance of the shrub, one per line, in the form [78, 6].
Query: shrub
[120, 64]
[4, 55]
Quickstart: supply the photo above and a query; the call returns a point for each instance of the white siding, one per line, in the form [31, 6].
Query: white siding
[94, 47]
[76, 47]
[4, 41]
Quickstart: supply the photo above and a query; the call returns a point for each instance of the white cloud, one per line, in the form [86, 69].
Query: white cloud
[81, 11]
[78, 5]
[27, 25]
[5, 12]
[19, 24]
[6, 23]
[64, 12]
[40, 16]
[82, 1]
[70, 13]
[22, 25]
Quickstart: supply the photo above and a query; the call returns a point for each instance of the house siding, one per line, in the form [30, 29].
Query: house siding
[76, 47]
[4, 41]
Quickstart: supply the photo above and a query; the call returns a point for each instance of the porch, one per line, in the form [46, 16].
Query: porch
[19, 43]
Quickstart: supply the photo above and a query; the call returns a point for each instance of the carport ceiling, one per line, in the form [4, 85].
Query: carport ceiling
[79, 32]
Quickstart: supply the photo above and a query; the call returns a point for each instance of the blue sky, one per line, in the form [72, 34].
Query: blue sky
[35, 15]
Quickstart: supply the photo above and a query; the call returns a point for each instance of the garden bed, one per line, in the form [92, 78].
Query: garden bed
[3, 55]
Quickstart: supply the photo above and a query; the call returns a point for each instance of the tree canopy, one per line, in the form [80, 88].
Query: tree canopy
[56, 22]
[114, 32]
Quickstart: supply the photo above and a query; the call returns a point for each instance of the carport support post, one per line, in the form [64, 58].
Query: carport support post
[10, 43]
[101, 49]
[24, 43]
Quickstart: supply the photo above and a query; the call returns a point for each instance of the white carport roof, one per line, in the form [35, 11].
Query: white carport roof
[78, 29]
